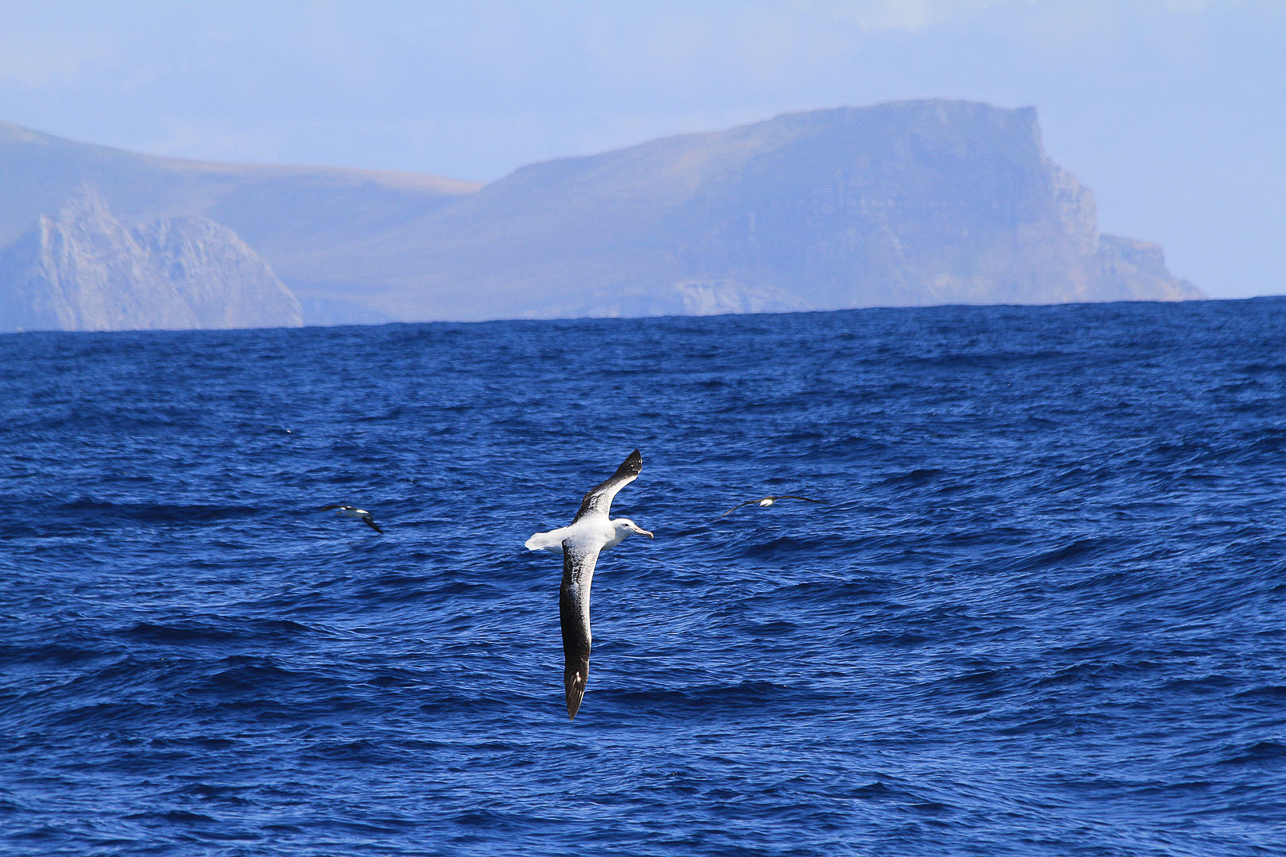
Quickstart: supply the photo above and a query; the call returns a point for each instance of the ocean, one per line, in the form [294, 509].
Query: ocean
[1040, 610]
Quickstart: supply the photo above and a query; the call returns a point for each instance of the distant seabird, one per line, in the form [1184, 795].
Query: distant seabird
[354, 512]
[768, 501]
[590, 532]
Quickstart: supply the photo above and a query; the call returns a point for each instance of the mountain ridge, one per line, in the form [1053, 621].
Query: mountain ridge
[904, 203]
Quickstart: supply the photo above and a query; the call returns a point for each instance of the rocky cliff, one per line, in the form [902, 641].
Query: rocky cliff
[911, 203]
[896, 205]
[82, 269]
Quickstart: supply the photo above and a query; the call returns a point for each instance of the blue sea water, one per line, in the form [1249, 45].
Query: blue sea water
[1042, 610]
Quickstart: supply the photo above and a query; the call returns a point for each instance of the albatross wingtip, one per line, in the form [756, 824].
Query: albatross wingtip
[575, 682]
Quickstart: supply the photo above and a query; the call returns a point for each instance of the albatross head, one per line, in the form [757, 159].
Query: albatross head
[623, 527]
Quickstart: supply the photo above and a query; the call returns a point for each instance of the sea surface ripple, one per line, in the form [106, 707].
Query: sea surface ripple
[1042, 610]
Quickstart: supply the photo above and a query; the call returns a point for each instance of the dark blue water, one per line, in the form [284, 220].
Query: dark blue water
[1043, 611]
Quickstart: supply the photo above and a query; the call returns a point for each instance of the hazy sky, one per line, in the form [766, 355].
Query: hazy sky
[1172, 111]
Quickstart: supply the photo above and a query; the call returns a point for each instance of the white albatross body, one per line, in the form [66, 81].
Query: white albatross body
[768, 501]
[590, 532]
[587, 530]
[346, 511]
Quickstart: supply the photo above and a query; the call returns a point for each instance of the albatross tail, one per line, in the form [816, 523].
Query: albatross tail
[550, 541]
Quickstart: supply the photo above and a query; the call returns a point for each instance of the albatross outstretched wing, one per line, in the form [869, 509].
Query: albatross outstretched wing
[736, 507]
[573, 615]
[768, 501]
[599, 498]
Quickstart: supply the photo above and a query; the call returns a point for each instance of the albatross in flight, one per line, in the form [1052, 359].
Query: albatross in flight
[768, 501]
[354, 512]
[590, 532]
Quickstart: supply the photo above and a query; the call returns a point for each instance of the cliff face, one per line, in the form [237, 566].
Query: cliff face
[903, 204]
[84, 270]
[896, 205]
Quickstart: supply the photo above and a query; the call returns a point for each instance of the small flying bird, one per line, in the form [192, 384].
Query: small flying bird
[590, 532]
[768, 501]
[354, 512]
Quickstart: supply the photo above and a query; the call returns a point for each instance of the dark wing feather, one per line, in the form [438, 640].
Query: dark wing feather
[797, 497]
[573, 615]
[370, 522]
[599, 498]
[736, 507]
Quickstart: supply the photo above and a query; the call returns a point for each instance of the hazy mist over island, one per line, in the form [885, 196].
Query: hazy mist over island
[900, 204]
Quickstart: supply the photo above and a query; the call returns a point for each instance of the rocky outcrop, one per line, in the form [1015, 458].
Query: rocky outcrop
[82, 269]
[1135, 270]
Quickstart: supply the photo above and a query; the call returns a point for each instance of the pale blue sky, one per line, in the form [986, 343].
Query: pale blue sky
[1173, 111]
